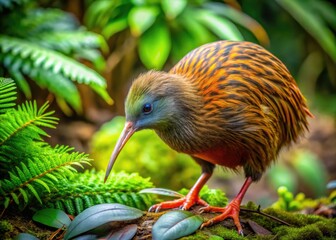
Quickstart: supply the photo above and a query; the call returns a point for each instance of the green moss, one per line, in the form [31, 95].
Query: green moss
[304, 233]
[5, 226]
[302, 226]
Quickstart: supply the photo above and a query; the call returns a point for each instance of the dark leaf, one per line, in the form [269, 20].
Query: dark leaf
[99, 215]
[259, 230]
[125, 233]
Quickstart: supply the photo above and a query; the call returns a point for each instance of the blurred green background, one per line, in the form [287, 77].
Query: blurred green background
[83, 55]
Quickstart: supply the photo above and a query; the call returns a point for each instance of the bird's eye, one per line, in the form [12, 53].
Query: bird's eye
[147, 108]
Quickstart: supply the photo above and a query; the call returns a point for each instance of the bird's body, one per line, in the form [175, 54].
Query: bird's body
[225, 103]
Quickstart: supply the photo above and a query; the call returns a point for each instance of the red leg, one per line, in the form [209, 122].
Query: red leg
[192, 198]
[231, 210]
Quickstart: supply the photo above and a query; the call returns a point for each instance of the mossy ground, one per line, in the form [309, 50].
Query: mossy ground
[302, 226]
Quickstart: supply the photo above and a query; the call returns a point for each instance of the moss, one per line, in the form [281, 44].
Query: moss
[304, 233]
[302, 227]
[5, 226]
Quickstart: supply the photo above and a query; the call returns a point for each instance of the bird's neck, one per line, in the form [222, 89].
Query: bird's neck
[186, 129]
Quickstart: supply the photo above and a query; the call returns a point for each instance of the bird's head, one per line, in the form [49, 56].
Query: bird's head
[156, 100]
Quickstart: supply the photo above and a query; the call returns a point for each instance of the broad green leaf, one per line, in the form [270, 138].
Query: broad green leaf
[312, 24]
[154, 46]
[141, 18]
[115, 26]
[52, 218]
[100, 214]
[126, 233]
[220, 26]
[241, 18]
[162, 191]
[176, 224]
[173, 8]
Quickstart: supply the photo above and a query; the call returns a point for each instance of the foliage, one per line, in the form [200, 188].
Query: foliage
[92, 223]
[164, 28]
[288, 202]
[99, 215]
[29, 165]
[41, 44]
[152, 157]
[31, 168]
[87, 189]
[176, 224]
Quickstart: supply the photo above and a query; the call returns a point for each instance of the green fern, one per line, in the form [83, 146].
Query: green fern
[7, 94]
[28, 165]
[49, 69]
[27, 180]
[27, 116]
[45, 46]
[86, 189]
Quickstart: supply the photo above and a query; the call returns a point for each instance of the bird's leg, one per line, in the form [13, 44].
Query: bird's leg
[231, 210]
[192, 198]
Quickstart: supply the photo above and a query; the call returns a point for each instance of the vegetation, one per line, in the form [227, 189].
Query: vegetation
[31, 169]
[45, 46]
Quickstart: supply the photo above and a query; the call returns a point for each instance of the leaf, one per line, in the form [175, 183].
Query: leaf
[241, 18]
[141, 18]
[25, 236]
[176, 224]
[312, 24]
[100, 214]
[259, 230]
[125, 233]
[154, 46]
[162, 191]
[173, 8]
[52, 218]
[113, 27]
[222, 27]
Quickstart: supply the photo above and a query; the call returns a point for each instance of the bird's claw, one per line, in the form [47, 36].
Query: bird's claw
[155, 208]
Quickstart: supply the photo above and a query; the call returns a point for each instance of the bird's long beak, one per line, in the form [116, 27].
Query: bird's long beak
[127, 132]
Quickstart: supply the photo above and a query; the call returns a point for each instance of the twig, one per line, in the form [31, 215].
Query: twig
[265, 214]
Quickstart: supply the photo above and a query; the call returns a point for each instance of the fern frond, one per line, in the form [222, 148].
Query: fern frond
[7, 94]
[87, 189]
[70, 41]
[60, 86]
[27, 116]
[34, 178]
[27, 57]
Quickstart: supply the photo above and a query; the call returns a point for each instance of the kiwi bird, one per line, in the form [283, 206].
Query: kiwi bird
[226, 103]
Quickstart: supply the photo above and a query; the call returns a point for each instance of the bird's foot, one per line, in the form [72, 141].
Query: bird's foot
[184, 203]
[231, 210]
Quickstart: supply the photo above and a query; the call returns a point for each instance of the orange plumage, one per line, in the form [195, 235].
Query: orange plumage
[225, 103]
